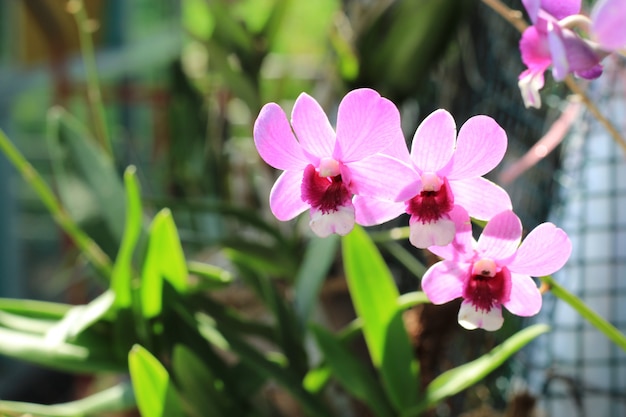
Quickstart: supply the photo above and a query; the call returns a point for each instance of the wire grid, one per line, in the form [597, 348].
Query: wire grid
[576, 369]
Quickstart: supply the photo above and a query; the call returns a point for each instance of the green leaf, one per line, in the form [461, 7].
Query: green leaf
[198, 386]
[353, 375]
[164, 260]
[117, 398]
[123, 268]
[210, 276]
[76, 356]
[34, 308]
[585, 312]
[375, 297]
[318, 258]
[79, 318]
[155, 393]
[456, 380]
[87, 179]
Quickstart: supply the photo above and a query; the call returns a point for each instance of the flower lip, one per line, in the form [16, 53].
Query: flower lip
[431, 204]
[326, 194]
[486, 291]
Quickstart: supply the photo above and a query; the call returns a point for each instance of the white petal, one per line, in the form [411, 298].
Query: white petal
[340, 221]
[437, 233]
[472, 318]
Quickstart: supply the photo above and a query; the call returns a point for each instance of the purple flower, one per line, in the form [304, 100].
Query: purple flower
[446, 176]
[550, 42]
[495, 271]
[324, 168]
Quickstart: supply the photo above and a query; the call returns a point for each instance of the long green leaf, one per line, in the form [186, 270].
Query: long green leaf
[318, 259]
[123, 267]
[588, 314]
[117, 398]
[355, 377]
[155, 393]
[165, 260]
[70, 357]
[200, 389]
[375, 297]
[456, 380]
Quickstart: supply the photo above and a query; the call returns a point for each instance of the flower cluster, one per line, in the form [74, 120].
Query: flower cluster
[551, 41]
[362, 172]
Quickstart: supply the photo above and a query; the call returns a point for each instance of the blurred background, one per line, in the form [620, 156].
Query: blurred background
[182, 83]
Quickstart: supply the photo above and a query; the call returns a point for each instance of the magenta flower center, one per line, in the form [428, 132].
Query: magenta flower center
[326, 194]
[434, 200]
[488, 285]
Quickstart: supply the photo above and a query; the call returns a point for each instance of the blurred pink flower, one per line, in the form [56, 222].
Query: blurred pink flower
[608, 22]
[550, 42]
[446, 175]
[323, 169]
[495, 271]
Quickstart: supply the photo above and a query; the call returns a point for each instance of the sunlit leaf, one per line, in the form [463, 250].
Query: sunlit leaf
[115, 399]
[164, 260]
[155, 393]
[375, 297]
[123, 268]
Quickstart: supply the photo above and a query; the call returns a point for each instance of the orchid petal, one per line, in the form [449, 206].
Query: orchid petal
[532, 8]
[275, 141]
[439, 233]
[500, 238]
[366, 124]
[480, 146]
[607, 24]
[471, 318]
[534, 50]
[312, 127]
[581, 58]
[372, 211]
[480, 197]
[461, 249]
[380, 176]
[560, 9]
[340, 221]
[560, 64]
[525, 299]
[443, 281]
[285, 200]
[529, 84]
[433, 142]
[543, 252]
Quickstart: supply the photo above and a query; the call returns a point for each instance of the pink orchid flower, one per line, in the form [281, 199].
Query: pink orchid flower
[447, 174]
[495, 271]
[550, 42]
[324, 168]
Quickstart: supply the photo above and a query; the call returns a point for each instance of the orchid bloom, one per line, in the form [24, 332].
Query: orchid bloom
[324, 168]
[447, 174]
[495, 271]
[550, 42]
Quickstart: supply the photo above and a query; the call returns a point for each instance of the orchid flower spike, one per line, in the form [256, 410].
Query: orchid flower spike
[447, 175]
[550, 42]
[324, 168]
[495, 271]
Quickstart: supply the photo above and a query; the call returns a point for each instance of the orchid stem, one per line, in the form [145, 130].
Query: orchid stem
[591, 316]
[515, 17]
[60, 215]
